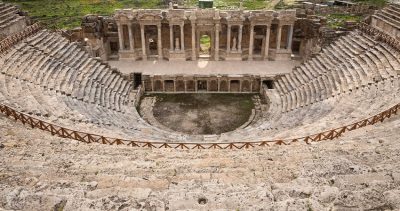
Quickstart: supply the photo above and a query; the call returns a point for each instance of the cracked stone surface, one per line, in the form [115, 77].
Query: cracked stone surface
[359, 171]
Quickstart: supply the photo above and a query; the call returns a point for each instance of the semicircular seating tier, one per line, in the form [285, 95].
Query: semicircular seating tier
[10, 20]
[52, 79]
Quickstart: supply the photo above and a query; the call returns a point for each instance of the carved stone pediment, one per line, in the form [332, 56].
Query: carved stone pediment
[205, 14]
[235, 16]
[263, 17]
[287, 17]
[176, 16]
[124, 15]
[149, 15]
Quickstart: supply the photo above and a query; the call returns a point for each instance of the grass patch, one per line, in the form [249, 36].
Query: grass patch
[203, 113]
[377, 3]
[339, 20]
[67, 14]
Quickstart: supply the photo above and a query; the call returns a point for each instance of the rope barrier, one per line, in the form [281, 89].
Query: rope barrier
[63, 132]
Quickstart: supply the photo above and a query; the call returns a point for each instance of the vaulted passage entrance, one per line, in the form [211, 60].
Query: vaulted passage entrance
[205, 46]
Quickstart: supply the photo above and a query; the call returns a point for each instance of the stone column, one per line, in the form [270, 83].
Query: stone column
[171, 37]
[240, 38]
[185, 83]
[193, 42]
[198, 42]
[163, 85]
[219, 84]
[174, 85]
[159, 46]
[182, 39]
[251, 42]
[142, 35]
[216, 47]
[240, 85]
[228, 39]
[152, 84]
[267, 35]
[290, 37]
[120, 37]
[131, 38]
[229, 85]
[195, 85]
[279, 37]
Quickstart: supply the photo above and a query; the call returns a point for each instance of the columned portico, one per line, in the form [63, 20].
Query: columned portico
[176, 20]
[126, 41]
[234, 34]
[284, 22]
[235, 24]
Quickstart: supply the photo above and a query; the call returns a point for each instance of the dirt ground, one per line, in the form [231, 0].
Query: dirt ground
[203, 113]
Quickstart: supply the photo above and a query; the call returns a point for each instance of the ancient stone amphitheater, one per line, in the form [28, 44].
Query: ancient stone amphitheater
[72, 139]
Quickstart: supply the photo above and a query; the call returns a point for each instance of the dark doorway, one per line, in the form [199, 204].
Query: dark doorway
[296, 46]
[235, 86]
[137, 80]
[114, 48]
[269, 84]
[169, 85]
[202, 85]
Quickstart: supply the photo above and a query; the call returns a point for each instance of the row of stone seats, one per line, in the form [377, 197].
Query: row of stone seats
[324, 115]
[8, 15]
[339, 110]
[58, 82]
[390, 15]
[359, 170]
[48, 60]
[76, 114]
[64, 110]
[82, 116]
[351, 62]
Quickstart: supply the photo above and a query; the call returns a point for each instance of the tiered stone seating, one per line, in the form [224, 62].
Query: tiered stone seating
[353, 61]
[8, 15]
[49, 61]
[330, 113]
[10, 21]
[43, 172]
[84, 94]
[390, 15]
[47, 76]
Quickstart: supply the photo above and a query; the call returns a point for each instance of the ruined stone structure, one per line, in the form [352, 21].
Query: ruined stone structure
[10, 20]
[204, 83]
[282, 160]
[388, 20]
[175, 34]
